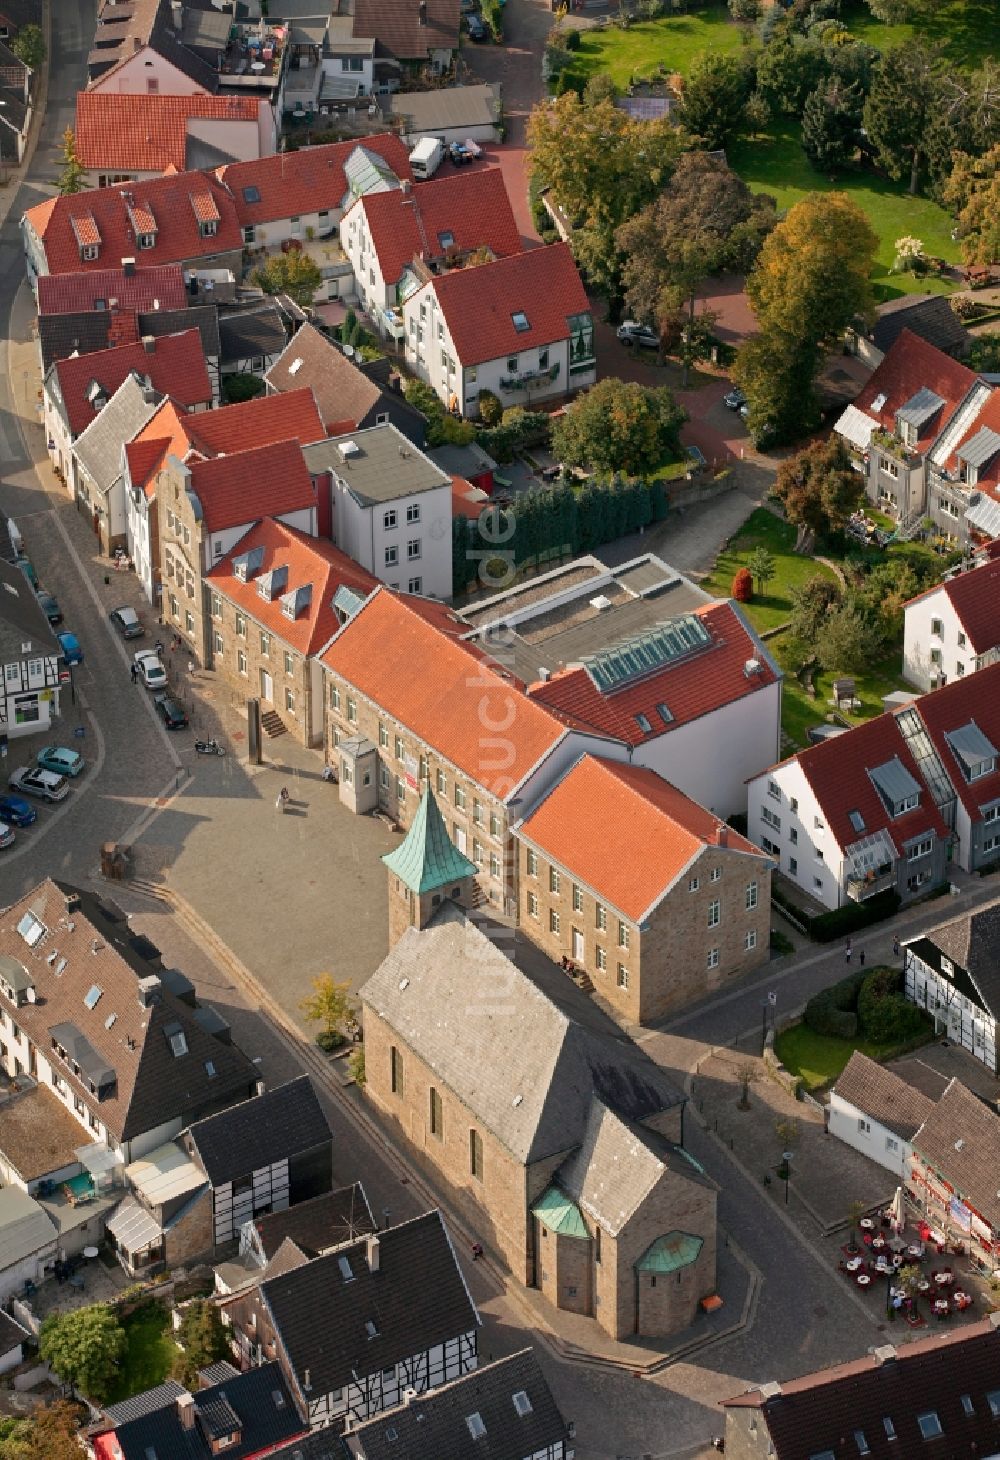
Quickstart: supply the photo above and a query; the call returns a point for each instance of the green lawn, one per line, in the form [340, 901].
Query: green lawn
[967, 29]
[800, 711]
[775, 163]
[674, 42]
[763, 529]
[150, 1353]
[819, 1058]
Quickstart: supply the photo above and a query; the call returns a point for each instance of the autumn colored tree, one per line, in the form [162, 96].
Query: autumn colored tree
[291, 273]
[742, 589]
[812, 603]
[73, 175]
[329, 1005]
[619, 426]
[29, 46]
[51, 1433]
[818, 487]
[973, 192]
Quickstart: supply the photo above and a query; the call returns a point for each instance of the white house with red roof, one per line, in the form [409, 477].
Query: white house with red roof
[954, 628]
[962, 721]
[520, 327]
[925, 431]
[127, 137]
[394, 238]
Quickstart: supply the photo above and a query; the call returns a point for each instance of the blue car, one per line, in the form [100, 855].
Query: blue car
[15, 811]
[60, 760]
[72, 652]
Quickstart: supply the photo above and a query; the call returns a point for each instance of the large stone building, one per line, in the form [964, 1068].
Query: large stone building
[565, 1152]
[658, 908]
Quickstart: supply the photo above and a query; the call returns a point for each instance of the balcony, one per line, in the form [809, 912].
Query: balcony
[528, 379]
[877, 879]
[890, 445]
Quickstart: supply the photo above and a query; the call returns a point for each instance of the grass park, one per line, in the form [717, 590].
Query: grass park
[150, 1353]
[819, 1058]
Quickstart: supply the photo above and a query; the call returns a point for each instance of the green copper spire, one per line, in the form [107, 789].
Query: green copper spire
[427, 859]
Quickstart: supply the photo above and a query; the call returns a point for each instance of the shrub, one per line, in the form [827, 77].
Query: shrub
[329, 1040]
[834, 1010]
[854, 915]
[742, 589]
[236, 388]
[885, 1015]
[490, 409]
[571, 40]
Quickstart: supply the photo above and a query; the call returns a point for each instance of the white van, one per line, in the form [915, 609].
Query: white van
[425, 158]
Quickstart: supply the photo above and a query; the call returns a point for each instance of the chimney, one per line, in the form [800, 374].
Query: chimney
[307, 1381]
[396, 382]
[722, 835]
[404, 187]
[185, 1410]
[149, 990]
[423, 12]
[544, 675]
[149, 345]
[128, 267]
[137, 43]
[883, 1355]
[177, 14]
[373, 1253]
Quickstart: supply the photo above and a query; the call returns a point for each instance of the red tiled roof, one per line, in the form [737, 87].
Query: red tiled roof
[144, 458]
[478, 304]
[143, 291]
[976, 697]
[168, 202]
[261, 422]
[473, 207]
[467, 500]
[988, 475]
[649, 832]
[397, 25]
[975, 597]
[124, 132]
[404, 655]
[838, 772]
[310, 561]
[307, 181]
[911, 364]
[206, 210]
[175, 366]
[264, 481]
[694, 686]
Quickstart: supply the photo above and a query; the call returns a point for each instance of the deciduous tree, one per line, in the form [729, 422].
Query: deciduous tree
[776, 374]
[84, 1347]
[742, 587]
[762, 567]
[29, 46]
[847, 642]
[329, 1005]
[973, 191]
[52, 1433]
[789, 69]
[73, 175]
[291, 273]
[714, 98]
[818, 487]
[619, 426]
[812, 603]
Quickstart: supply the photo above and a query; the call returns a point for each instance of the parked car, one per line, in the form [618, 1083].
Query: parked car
[630, 332]
[27, 568]
[459, 154]
[6, 837]
[50, 608]
[72, 652]
[60, 759]
[151, 671]
[171, 713]
[126, 621]
[15, 811]
[475, 27]
[734, 399]
[46, 785]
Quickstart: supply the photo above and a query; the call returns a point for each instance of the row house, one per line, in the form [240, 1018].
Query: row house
[953, 629]
[420, 36]
[348, 397]
[130, 137]
[30, 659]
[397, 238]
[355, 1329]
[952, 1180]
[205, 507]
[660, 908]
[389, 507]
[275, 600]
[507, 1404]
[953, 971]
[930, 1396]
[877, 1113]
[520, 327]
[182, 218]
[170, 433]
[962, 721]
[593, 1200]
[17, 105]
[75, 391]
[925, 433]
[97, 479]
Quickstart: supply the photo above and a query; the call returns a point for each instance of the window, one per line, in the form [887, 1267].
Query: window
[864, 1127]
[477, 811]
[290, 701]
[512, 364]
[750, 940]
[622, 976]
[601, 917]
[714, 913]
[521, 1403]
[289, 663]
[478, 855]
[553, 920]
[624, 935]
[383, 736]
[415, 585]
[920, 849]
[793, 865]
[751, 896]
[476, 1427]
[520, 321]
[494, 865]
[716, 874]
[533, 904]
[553, 880]
[601, 959]
[937, 628]
[217, 642]
[793, 836]
[769, 819]
[400, 790]
[265, 645]
[397, 746]
[441, 782]
[693, 884]
[334, 697]
[188, 621]
[391, 557]
[891, 1144]
[968, 1407]
[89, 252]
[395, 1070]
[146, 240]
[460, 797]
[436, 1114]
[389, 519]
[577, 898]
[494, 823]
[930, 1425]
[889, 1427]
[476, 1154]
[774, 790]
[993, 1400]
[423, 769]
[241, 661]
[543, 359]
[216, 606]
[413, 550]
[863, 1446]
[352, 710]
[413, 512]
[241, 626]
[712, 961]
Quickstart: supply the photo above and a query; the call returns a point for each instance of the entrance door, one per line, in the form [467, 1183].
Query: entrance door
[577, 946]
[266, 687]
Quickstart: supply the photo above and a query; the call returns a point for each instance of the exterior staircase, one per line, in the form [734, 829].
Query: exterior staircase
[908, 527]
[273, 724]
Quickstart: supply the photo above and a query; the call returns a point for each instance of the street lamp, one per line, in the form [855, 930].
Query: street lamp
[786, 1157]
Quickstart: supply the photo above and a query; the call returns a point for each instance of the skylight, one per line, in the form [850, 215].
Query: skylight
[210, 1069]
[520, 321]
[930, 1425]
[371, 1329]
[446, 239]
[345, 1269]
[93, 997]
[856, 820]
[878, 403]
[476, 1427]
[31, 929]
[643, 723]
[522, 1403]
[665, 715]
[251, 195]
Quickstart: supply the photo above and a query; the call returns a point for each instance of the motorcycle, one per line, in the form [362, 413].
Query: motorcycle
[209, 747]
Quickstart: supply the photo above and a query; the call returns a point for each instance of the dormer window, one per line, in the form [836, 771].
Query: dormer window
[446, 240]
[520, 321]
[89, 252]
[976, 755]
[898, 790]
[146, 240]
[208, 228]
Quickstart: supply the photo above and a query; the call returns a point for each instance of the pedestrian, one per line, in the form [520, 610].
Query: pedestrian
[477, 1251]
[159, 648]
[847, 953]
[191, 668]
[135, 673]
[861, 958]
[895, 947]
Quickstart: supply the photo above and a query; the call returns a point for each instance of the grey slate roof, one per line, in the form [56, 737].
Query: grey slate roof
[617, 1166]
[961, 1139]
[973, 943]
[99, 448]
[202, 317]
[257, 1132]
[883, 1096]
[61, 335]
[416, 1298]
[438, 989]
[258, 1401]
[147, 1402]
[434, 1425]
[342, 391]
[248, 332]
[318, 1224]
[21, 619]
[928, 315]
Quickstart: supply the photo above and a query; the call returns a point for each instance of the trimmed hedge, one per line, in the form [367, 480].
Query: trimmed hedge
[885, 1014]
[826, 927]
[834, 1010]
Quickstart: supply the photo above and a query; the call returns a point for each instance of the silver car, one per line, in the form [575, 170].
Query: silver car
[31, 780]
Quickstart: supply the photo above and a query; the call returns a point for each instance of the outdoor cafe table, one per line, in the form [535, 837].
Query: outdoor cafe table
[853, 1263]
[862, 1280]
[944, 1278]
[923, 1286]
[867, 1222]
[942, 1306]
[917, 1250]
[961, 1300]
